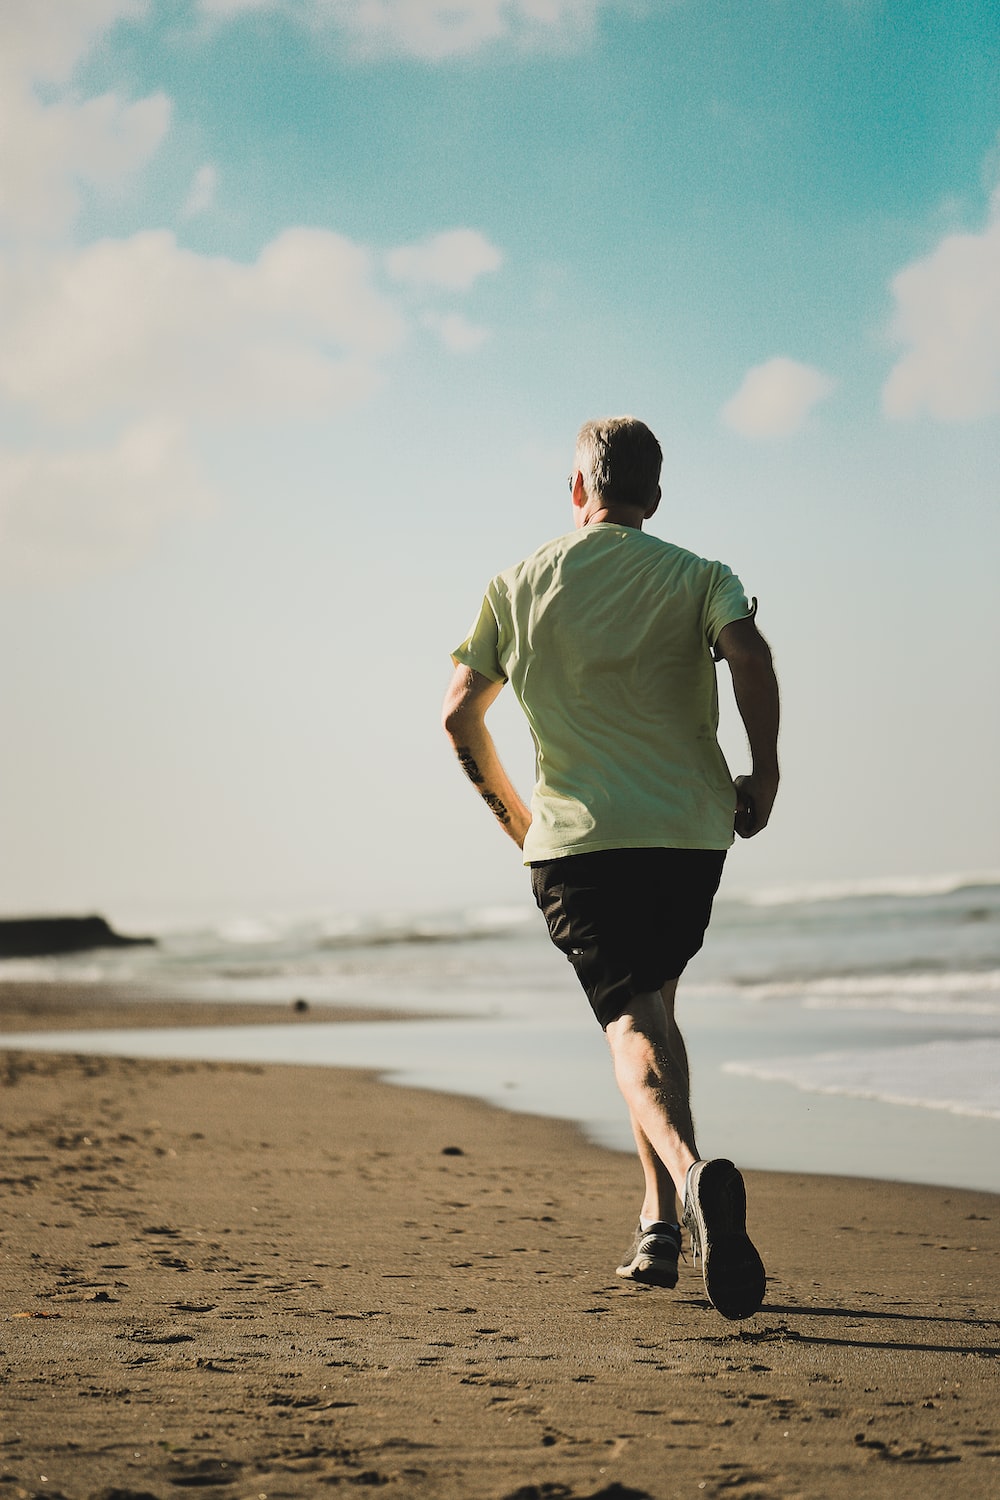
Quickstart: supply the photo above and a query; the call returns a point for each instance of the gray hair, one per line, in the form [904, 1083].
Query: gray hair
[620, 461]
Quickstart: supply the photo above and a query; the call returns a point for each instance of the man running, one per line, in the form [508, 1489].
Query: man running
[609, 638]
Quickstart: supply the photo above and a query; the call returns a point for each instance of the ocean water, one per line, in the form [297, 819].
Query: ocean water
[851, 1030]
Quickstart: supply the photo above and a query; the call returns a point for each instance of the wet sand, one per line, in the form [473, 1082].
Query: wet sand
[78, 1007]
[283, 1281]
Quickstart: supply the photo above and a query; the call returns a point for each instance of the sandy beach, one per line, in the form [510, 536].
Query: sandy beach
[276, 1281]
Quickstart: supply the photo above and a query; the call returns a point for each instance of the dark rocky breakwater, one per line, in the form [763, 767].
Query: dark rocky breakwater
[43, 937]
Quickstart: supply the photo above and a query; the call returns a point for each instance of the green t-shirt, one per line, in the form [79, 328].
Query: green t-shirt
[606, 637]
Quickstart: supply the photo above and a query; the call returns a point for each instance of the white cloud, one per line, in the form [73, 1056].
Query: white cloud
[947, 318]
[201, 196]
[453, 260]
[45, 39]
[143, 338]
[68, 513]
[456, 333]
[435, 29]
[125, 327]
[776, 398]
[225, 8]
[47, 152]
[117, 353]
[48, 149]
[146, 339]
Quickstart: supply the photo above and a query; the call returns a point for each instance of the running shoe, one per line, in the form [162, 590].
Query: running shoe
[715, 1207]
[653, 1256]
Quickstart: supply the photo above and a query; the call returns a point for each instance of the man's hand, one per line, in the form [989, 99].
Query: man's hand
[754, 799]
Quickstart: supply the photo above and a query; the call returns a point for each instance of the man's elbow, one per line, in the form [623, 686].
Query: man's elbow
[451, 722]
[458, 719]
[465, 704]
[754, 673]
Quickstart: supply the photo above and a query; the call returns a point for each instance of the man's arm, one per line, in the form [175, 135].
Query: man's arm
[756, 689]
[468, 697]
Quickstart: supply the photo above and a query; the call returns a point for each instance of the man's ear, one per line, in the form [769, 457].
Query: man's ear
[651, 511]
[579, 491]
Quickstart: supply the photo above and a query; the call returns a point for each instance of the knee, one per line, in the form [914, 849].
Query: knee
[635, 1055]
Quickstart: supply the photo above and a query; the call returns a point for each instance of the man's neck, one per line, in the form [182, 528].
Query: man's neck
[615, 516]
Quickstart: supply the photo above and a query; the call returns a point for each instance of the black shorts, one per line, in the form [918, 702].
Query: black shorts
[628, 920]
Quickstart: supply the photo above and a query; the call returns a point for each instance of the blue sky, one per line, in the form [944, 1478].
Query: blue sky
[301, 304]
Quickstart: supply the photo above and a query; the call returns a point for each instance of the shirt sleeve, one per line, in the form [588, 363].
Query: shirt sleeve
[481, 648]
[725, 602]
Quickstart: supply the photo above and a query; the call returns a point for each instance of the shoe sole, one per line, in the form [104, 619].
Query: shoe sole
[650, 1272]
[715, 1209]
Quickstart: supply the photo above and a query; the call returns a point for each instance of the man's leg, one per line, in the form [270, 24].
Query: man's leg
[605, 937]
[660, 1200]
[650, 1063]
[651, 1068]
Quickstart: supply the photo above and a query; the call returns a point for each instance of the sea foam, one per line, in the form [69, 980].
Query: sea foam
[962, 1077]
